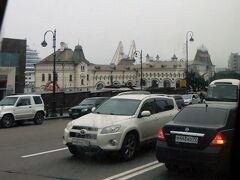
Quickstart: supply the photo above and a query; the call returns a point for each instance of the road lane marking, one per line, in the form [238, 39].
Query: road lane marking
[132, 170]
[141, 171]
[45, 152]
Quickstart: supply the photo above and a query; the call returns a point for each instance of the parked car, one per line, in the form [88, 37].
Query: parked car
[86, 106]
[191, 99]
[21, 108]
[199, 136]
[120, 124]
[179, 100]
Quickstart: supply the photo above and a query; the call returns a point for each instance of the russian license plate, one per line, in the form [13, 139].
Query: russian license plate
[186, 139]
[80, 142]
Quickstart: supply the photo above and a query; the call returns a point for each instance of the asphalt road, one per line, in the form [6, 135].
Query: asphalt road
[36, 152]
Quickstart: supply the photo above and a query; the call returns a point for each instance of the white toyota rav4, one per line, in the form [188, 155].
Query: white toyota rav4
[120, 124]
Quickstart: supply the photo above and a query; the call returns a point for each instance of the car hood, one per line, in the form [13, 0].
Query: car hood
[5, 108]
[82, 107]
[187, 100]
[99, 120]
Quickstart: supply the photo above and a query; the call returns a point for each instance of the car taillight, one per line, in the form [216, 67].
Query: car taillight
[161, 135]
[218, 140]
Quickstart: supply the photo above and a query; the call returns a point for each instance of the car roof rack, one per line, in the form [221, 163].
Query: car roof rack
[134, 92]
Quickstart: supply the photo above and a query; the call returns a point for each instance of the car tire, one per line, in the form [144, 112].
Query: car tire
[38, 119]
[7, 121]
[75, 150]
[129, 147]
[171, 167]
[19, 123]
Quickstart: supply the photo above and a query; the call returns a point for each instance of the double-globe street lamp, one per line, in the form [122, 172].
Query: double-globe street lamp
[139, 54]
[44, 44]
[189, 37]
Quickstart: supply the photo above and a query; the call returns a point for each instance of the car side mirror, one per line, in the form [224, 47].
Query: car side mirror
[145, 113]
[93, 109]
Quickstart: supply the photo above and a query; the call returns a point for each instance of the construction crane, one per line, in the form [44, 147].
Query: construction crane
[132, 50]
[119, 53]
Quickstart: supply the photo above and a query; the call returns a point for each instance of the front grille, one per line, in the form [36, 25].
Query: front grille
[76, 111]
[85, 136]
[85, 127]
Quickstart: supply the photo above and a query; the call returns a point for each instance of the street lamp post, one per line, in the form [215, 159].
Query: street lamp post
[189, 34]
[44, 44]
[136, 54]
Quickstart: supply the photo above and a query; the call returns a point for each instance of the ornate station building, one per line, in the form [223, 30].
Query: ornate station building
[76, 73]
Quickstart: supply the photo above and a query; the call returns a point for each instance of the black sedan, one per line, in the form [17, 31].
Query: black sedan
[200, 136]
[86, 106]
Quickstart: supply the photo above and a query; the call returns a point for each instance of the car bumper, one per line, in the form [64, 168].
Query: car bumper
[210, 157]
[105, 142]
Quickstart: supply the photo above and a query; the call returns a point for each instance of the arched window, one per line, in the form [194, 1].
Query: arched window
[43, 77]
[82, 81]
[166, 84]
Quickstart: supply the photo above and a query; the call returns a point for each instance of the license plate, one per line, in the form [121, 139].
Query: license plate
[80, 142]
[186, 139]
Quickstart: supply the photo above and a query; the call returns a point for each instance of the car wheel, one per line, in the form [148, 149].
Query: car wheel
[19, 123]
[171, 167]
[129, 147]
[7, 121]
[75, 150]
[38, 119]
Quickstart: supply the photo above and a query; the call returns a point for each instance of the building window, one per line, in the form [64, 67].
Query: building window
[49, 77]
[70, 78]
[87, 77]
[82, 81]
[82, 68]
[56, 77]
[43, 77]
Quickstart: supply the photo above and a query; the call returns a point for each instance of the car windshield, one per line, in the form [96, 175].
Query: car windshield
[187, 96]
[8, 101]
[87, 102]
[222, 92]
[124, 107]
[202, 116]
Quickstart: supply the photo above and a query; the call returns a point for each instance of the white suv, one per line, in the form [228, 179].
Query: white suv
[19, 108]
[120, 124]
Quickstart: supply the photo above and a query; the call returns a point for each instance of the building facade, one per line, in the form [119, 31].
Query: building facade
[202, 63]
[234, 62]
[75, 73]
[12, 63]
[32, 58]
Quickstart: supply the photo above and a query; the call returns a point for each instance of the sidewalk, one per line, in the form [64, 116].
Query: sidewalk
[65, 115]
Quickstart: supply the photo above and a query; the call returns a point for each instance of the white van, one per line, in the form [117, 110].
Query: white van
[224, 91]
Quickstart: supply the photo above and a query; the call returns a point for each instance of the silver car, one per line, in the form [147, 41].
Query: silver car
[20, 108]
[120, 124]
[191, 99]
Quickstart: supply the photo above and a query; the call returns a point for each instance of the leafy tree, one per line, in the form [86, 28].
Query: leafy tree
[196, 81]
[225, 75]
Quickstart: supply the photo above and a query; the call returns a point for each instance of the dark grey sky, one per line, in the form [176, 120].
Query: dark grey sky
[157, 26]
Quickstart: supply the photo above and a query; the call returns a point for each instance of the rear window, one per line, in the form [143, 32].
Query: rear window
[37, 100]
[202, 116]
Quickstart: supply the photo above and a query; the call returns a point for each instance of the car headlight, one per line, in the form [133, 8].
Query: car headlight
[70, 110]
[110, 129]
[69, 125]
[84, 110]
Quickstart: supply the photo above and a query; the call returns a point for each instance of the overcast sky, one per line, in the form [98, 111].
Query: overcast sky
[157, 26]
